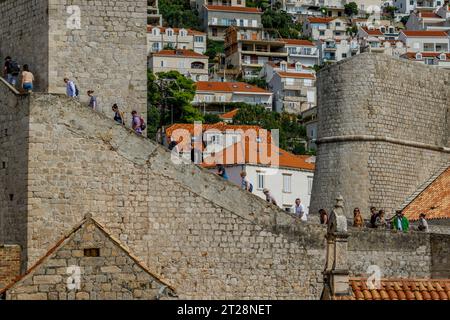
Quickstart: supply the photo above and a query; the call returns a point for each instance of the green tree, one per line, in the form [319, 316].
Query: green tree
[211, 118]
[351, 9]
[213, 48]
[178, 14]
[281, 22]
[390, 10]
[172, 93]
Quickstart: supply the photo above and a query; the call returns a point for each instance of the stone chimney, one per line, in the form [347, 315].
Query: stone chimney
[336, 274]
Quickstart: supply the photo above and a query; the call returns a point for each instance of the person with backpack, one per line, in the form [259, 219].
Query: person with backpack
[92, 100]
[137, 123]
[245, 184]
[119, 116]
[11, 71]
[221, 171]
[71, 89]
[27, 79]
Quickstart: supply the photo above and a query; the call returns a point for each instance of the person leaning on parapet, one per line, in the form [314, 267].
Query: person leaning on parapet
[373, 216]
[269, 197]
[221, 171]
[358, 220]
[400, 222]
[92, 100]
[27, 79]
[245, 184]
[119, 116]
[11, 71]
[423, 224]
[323, 216]
[380, 221]
[71, 88]
[299, 210]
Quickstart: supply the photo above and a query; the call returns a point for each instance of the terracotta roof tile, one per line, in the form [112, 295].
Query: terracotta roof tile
[229, 115]
[401, 289]
[373, 32]
[434, 200]
[298, 42]
[180, 53]
[320, 20]
[259, 154]
[233, 9]
[229, 87]
[430, 15]
[425, 33]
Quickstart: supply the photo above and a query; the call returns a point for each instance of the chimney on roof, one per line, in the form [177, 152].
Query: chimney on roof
[336, 274]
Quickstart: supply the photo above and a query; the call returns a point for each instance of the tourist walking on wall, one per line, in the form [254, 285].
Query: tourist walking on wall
[358, 220]
[269, 197]
[27, 79]
[423, 224]
[245, 184]
[299, 210]
[119, 116]
[71, 88]
[222, 172]
[92, 100]
[323, 216]
[400, 222]
[11, 71]
[380, 221]
[137, 123]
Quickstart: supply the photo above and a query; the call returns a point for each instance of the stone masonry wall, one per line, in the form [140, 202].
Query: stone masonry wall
[9, 264]
[13, 167]
[113, 275]
[383, 130]
[106, 54]
[24, 36]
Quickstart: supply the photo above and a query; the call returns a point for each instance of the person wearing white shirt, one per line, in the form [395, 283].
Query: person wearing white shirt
[300, 210]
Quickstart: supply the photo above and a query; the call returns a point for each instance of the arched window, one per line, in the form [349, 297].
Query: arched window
[183, 33]
[169, 32]
[197, 65]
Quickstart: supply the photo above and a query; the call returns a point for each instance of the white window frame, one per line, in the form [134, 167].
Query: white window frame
[261, 179]
[310, 184]
[287, 183]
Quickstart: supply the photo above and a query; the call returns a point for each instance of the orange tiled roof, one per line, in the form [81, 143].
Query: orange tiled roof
[229, 115]
[233, 9]
[425, 33]
[258, 154]
[434, 200]
[298, 42]
[179, 53]
[320, 20]
[401, 289]
[175, 30]
[229, 87]
[412, 55]
[296, 75]
[373, 32]
[430, 15]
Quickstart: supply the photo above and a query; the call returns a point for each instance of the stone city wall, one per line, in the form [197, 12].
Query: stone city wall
[383, 130]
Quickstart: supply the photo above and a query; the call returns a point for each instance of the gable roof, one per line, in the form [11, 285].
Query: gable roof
[400, 289]
[229, 115]
[296, 75]
[88, 219]
[373, 32]
[424, 33]
[412, 55]
[259, 154]
[215, 86]
[179, 53]
[432, 198]
[233, 9]
[430, 15]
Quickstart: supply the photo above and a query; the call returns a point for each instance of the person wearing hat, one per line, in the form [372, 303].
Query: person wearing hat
[400, 222]
[269, 197]
[423, 224]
